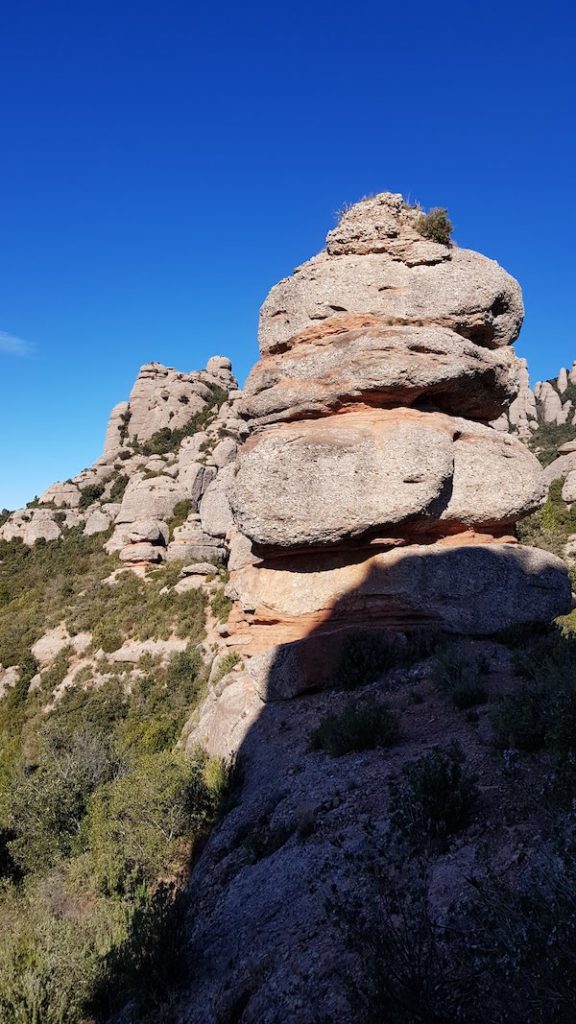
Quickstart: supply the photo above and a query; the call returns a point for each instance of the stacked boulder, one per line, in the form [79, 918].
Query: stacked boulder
[372, 492]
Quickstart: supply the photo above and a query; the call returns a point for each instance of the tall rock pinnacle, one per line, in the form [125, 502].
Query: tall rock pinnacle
[372, 491]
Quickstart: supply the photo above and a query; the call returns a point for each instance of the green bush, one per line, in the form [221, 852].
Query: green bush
[90, 494]
[143, 821]
[180, 513]
[550, 526]
[167, 440]
[433, 796]
[228, 662]
[435, 225]
[118, 487]
[220, 605]
[46, 805]
[364, 727]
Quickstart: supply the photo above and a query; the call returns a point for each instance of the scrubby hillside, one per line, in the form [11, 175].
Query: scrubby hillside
[288, 725]
[111, 598]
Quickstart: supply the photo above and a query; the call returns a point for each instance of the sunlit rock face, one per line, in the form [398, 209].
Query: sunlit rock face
[372, 491]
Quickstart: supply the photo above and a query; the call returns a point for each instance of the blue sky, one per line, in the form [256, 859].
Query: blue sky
[164, 164]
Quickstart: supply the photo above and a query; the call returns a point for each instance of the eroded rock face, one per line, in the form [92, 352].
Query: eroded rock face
[376, 265]
[153, 460]
[373, 491]
[351, 475]
[382, 366]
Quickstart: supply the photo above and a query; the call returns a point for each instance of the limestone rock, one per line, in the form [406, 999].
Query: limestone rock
[198, 569]
[320, 481]
[560, 467]
[154, 531]
[226, 716]
[224, 453]
[549, 403]
[191, 543]
[117, 426]
[496, 479]
[194, 480]
[363, 498]
[522, 416]
[49, 646]
[132, 650]
[8, 678]
[569, 487]
[384, 224]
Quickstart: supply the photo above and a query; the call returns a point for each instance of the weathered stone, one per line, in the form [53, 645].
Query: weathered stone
[191, 543]
[226, 716]
[8, 678]
[30, 525]
[549, 403]
[325, 481]
[116, 429]
[215, 511]
[97, 522]
[224, 453]
[61, 495]
[152, 530]
[194, 480]
[569, 487]
[198, 569]
[473, 589]
[496, 479]
[522, 416]
[152, 498]
[382, 366]
[442, 285]
[132, 650]
[321, 481]
[49, 646]
[142, 553]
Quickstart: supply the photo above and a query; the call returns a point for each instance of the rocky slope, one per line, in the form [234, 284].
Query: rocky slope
[372, 497]
[360, 501]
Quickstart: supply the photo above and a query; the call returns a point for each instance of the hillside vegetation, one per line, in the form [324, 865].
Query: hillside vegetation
[99, 812]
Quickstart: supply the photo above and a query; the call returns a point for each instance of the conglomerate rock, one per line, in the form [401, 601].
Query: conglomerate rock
[390, 275]
[372, 491]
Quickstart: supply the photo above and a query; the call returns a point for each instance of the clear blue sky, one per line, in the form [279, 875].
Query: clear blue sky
[164, 163]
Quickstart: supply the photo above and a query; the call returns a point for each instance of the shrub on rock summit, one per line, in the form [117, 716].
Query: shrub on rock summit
[435, 225]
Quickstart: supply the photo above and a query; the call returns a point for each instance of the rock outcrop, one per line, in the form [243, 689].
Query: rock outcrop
[372, 491]
[552, 403]
[169, 447]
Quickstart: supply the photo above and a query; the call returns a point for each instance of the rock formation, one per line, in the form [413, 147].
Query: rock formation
[157, 456]
[372, 491]
[551, 403]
